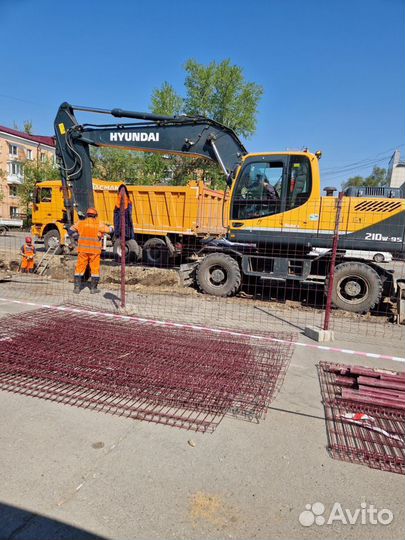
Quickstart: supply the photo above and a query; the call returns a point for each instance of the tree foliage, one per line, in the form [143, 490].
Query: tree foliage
[27, 127]
[133, 168]
[378, 177]
[115, 165]
[166, 101]
[219, 91]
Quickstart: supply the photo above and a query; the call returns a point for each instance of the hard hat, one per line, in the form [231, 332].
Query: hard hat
[28, 239]
[91, 212]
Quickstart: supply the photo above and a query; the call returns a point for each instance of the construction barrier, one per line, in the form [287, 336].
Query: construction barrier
[187, 263]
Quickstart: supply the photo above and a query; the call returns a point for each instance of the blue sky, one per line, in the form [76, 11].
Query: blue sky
[332, 71]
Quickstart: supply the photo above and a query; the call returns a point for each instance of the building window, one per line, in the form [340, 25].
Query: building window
[43, 157]
[13, 191]
[29, 153]
[15, 168]
[14, 212]
[13, 150]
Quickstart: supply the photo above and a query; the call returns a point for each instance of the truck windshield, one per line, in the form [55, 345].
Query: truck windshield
[43, 195]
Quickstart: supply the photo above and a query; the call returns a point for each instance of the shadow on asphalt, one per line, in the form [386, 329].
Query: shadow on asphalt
[19, 524]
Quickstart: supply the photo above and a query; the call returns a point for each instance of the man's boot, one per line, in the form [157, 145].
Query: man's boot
[93, 285]
[77, 284]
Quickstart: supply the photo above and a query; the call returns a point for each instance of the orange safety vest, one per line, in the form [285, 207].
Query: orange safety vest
[90, 233]
[28, 251]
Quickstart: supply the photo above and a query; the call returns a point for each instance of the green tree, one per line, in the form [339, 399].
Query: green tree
[378, 177]
[115, 165]
[166, 101]
[28, 127]
[220, 92]
[133, 168]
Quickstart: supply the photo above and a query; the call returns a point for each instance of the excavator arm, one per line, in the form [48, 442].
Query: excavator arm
[185, 135]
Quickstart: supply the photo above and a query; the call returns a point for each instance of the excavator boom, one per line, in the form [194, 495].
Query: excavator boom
[185, 135]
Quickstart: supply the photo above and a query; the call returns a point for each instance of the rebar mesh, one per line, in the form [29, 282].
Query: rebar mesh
[178, 376]
[364, 433]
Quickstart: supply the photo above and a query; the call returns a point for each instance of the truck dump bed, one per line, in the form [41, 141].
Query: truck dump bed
[159, 210]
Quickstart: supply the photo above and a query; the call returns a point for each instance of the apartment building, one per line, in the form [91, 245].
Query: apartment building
[15, 148]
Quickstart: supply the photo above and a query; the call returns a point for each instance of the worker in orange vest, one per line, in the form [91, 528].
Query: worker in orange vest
[28, 254]
[90, 232]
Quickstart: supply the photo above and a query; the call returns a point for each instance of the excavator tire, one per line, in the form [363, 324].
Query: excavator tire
[357, 287]
[219, 274]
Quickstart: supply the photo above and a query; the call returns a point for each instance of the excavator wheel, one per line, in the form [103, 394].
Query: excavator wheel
[357, 287]
[219, 274]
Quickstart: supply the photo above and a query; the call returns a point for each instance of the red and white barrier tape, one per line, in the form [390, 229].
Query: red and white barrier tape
[208, 329]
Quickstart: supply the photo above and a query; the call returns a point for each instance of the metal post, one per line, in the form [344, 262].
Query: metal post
[328, 308]
[123, 244]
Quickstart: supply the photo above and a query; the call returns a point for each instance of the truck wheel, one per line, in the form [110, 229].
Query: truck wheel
[357, 287]
[219, 274]
[51, 240]
[133, 251]
[3, 230]
[155, 252]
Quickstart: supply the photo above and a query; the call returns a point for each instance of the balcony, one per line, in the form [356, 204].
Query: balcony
[15, 179]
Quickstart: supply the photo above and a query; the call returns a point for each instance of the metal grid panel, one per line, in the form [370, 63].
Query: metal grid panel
[178, 376]
[363, 433]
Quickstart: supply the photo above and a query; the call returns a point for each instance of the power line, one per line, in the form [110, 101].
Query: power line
[347, 169]
[365, 161]
[22, 100]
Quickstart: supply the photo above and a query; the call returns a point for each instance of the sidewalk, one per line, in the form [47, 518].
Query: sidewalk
[119, 478]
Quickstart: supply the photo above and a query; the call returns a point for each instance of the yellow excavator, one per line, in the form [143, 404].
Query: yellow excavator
[279, 227]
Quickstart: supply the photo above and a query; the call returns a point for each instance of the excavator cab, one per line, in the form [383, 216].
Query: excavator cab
[269, 187]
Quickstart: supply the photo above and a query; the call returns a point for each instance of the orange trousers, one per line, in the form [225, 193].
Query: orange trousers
[27, 264]
[91, 259]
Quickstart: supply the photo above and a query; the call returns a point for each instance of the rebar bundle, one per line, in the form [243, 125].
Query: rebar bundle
[183, 377]
[365, 415]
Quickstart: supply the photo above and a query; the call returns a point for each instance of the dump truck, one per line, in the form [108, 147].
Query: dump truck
[276, 214]
[168, 220]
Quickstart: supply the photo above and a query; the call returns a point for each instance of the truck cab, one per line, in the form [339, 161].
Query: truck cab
[48, 214]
